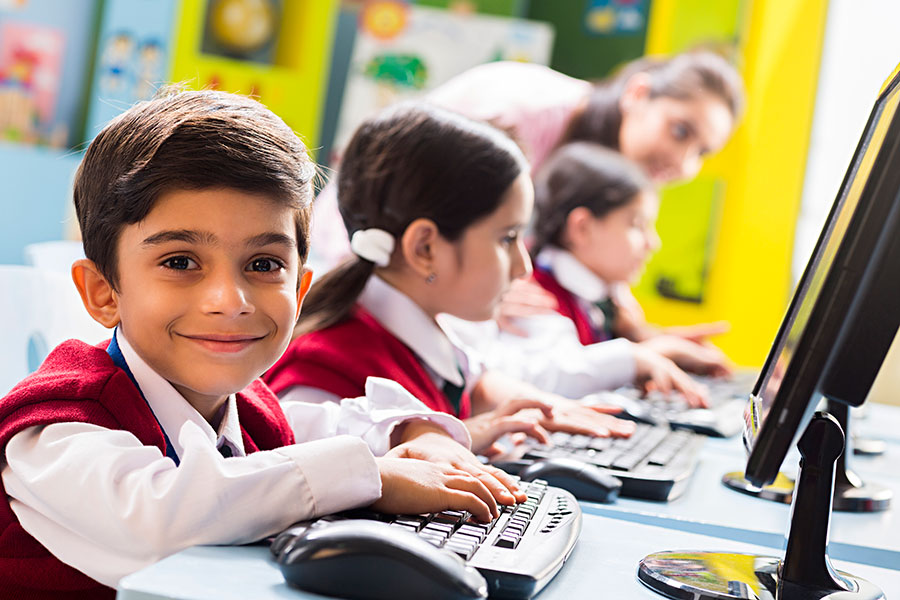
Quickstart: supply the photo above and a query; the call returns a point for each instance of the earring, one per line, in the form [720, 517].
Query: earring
[431, 277]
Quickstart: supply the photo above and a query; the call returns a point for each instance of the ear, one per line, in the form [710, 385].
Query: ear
[417, 245]
[98, 296]
[637, 89]
[302, 289]
[578, 226]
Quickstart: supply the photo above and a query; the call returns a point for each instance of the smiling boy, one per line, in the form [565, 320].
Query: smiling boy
[194, 211]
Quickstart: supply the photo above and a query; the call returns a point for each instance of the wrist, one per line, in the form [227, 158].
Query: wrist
[412, 428]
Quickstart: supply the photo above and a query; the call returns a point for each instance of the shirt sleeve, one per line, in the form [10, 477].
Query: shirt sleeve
[316, 414]
[107, 505]
[551, 357]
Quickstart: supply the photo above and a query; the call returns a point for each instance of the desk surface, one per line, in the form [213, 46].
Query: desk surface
[605, 558]
[709, 508]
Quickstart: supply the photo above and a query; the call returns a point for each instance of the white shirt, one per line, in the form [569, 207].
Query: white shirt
[104, 503]
[440, 351]
[551, 357]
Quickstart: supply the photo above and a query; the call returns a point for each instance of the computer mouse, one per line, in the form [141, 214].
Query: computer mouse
[584, 480]
[370, 560]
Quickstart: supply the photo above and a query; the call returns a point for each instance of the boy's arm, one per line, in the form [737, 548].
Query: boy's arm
[107, 505]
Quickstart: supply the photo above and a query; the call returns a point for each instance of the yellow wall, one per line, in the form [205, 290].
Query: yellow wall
[763, 166]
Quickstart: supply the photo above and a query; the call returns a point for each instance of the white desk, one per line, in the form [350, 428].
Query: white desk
[709, 508]
[603, 565]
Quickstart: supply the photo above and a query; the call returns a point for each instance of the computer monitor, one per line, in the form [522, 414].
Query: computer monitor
[843, 316]
[838, 328]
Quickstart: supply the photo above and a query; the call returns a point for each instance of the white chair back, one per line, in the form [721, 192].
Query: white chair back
[57, 255]
[39, 309]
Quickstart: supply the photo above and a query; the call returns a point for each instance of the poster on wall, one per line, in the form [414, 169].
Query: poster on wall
[30, 72]
[401, 51]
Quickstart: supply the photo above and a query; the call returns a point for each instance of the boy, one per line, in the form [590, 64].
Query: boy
[194, 211]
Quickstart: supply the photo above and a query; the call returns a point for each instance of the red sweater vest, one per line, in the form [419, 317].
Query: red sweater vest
[338, 359]
[568, 306]
[80, 383]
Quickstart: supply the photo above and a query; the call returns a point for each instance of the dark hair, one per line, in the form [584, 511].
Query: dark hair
[682, 76]
[186, 140]
[412, 161]
[581, 174]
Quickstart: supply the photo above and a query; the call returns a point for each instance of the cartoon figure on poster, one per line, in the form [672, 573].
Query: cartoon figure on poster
[402, 50]
[30, 58]
[615, 17]
[115, 64]
[148, 69]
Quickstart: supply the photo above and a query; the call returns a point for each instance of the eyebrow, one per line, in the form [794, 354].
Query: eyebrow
[209, 239]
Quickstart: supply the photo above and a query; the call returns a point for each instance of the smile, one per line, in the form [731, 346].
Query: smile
[225, 343]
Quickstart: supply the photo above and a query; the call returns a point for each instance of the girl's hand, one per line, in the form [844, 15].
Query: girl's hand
[700, 332]
[655, 372]
[411, 486]
[693, 356]
[571, 416]
[509, 417]
[429, 442]
[523, 299]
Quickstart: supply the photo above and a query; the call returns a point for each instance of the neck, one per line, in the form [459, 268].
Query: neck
[210, 408]
[412, 286]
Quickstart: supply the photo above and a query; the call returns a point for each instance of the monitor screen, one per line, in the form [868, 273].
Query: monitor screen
[838, 284]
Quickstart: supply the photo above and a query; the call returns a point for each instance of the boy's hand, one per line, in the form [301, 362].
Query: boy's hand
[410, 486]
[427, 441]
[695, 356]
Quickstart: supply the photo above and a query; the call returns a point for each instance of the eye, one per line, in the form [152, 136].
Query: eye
[510, 238]
[680, 131]
[265, 265]
[180, 263]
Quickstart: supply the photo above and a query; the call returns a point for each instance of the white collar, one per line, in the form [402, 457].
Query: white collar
[173, 411]
[571, 273]
[408, 322]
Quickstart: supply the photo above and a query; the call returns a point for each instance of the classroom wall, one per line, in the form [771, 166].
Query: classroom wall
[861, 50]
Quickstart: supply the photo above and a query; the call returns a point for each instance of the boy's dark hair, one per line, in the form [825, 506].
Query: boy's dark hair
[186, 140]
[581, 174]
[409, 162]
[681, 76]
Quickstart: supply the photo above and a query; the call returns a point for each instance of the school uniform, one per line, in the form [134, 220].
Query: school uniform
[386, 335]
[562, 352]
[106, 474]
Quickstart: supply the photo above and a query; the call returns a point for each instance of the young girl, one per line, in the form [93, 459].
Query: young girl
[436, 204]
[666, 114]
[594, 231]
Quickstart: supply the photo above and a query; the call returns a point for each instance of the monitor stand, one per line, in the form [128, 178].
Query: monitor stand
[851, 494]
[805, 573]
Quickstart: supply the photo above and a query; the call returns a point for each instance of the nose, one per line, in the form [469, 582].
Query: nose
[520, 265]
[690, 163]
[225, 293]
[652, 238]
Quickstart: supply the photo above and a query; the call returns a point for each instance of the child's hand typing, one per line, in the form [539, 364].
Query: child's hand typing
[411, 486]
[509, 417]
[571, 416]
[694, 356]
[426, 441]
[655, 372]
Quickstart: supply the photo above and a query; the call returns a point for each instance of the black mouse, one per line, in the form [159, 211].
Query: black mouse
[584, 480]
[370, 560]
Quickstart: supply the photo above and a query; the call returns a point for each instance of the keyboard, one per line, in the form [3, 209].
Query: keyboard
[655, 463]
[517, 553]
[723, 418]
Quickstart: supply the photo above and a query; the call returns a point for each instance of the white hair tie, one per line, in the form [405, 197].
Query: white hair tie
[374, 245]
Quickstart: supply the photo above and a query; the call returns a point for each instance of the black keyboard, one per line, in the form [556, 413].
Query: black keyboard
[517, 553]
[724, 417]
[655, 463]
